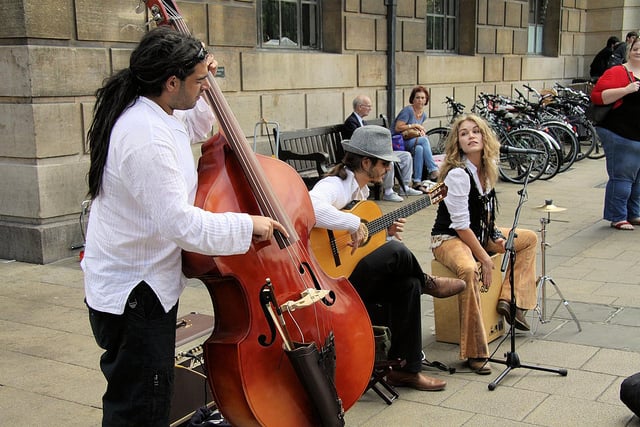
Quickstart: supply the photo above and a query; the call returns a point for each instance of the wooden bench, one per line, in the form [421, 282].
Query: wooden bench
[313, 152]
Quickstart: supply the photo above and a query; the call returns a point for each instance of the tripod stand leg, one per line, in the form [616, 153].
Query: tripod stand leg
[540, 308]
[513, 361]
[561, 371]
[564, 302]
[493, 384]
[541, 302]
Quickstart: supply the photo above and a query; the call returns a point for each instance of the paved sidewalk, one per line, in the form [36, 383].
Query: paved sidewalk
[49, 374]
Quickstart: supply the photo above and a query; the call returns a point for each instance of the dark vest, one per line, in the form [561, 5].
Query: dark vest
[482, 211]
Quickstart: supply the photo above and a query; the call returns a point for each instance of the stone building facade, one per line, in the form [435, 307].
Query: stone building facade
[54, 54]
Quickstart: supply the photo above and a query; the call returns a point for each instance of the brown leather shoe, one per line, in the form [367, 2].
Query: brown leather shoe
[479, 365]
[442, 287]
[521, 321]
[414, 380]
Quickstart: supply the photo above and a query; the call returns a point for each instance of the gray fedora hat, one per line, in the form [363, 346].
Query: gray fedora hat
[371, 141]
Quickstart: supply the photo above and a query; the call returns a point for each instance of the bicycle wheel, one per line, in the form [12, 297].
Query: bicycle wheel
[598, 151]
[555, 158]
[567, 140]
[514, 167]
[437, 137]
[587, 136]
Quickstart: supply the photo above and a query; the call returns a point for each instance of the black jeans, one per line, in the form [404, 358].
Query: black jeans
[391, 275]
[138, 361]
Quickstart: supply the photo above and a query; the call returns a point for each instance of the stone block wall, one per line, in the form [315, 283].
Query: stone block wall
[54, 54]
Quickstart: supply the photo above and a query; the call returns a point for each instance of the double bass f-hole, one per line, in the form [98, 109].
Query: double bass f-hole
[273, 312]
[304, 266]
[273, 315]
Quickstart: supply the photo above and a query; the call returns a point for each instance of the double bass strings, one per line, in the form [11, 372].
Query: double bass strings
[216, 99]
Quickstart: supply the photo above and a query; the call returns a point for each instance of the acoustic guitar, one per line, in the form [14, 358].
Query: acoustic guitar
[331, 247]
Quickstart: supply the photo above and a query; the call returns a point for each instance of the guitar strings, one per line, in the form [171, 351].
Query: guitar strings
[381, 223]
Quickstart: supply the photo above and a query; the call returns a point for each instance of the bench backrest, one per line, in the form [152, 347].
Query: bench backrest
[381, 120]
[313, 151]
[324, 139]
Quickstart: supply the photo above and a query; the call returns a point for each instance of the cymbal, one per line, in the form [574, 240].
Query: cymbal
[550, 208]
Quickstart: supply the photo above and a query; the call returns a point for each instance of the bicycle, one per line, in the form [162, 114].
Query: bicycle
[438, 135]
[513, 167]
[574, 104]
[554, 124]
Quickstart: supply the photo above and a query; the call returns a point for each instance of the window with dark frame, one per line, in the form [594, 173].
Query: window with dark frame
[537, 15]
[289, 24]
[441, 25]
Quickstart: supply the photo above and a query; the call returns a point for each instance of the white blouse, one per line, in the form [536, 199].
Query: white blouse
[458, 189]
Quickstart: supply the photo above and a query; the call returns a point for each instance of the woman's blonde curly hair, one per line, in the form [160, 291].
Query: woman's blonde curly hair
[454, 155]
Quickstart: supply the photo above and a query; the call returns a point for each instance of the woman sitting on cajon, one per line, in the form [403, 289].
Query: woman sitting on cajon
[464, 232]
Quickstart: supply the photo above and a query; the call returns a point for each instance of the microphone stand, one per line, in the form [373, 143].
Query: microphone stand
[512, 360]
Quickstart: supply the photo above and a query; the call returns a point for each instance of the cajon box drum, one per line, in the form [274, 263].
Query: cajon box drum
[191, 390]
[447, 312]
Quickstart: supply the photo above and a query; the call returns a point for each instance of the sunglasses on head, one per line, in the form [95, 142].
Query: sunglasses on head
[199, 57]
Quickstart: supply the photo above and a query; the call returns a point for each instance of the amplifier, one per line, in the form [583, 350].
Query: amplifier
[191, 390]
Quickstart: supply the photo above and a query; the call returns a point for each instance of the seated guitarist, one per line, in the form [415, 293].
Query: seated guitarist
[391, 273]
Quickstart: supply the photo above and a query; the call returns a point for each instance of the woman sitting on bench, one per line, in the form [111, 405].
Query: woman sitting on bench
[410, 124]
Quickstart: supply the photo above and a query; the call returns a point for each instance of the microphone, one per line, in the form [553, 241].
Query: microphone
[505, 149]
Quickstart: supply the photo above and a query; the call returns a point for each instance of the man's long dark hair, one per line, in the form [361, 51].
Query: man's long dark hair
[162, 53]
[350, 161]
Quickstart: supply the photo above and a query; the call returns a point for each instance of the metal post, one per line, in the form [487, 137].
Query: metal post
[391, 58]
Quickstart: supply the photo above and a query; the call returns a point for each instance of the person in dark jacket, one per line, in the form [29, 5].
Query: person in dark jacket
[600, 62]
[630, 393]
[619, 55]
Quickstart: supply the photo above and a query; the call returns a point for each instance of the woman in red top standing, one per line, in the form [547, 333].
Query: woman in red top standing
[620, 136]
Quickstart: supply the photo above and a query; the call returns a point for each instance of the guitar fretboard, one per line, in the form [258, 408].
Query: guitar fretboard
[386, 220]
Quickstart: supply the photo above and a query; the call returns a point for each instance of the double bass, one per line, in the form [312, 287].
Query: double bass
[253, 381]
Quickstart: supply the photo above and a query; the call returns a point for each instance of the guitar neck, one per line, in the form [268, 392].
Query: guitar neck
[386, 220]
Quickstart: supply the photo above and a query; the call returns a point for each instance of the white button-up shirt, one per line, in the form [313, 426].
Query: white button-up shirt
[331, 194]
[144, 215]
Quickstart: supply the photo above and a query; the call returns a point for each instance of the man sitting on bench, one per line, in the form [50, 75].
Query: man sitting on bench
[361, 108]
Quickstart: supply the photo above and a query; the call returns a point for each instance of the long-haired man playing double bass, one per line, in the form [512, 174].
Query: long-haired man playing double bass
[142, 181]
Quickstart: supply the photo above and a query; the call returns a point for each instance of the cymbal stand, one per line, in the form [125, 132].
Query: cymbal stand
[541, 306]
